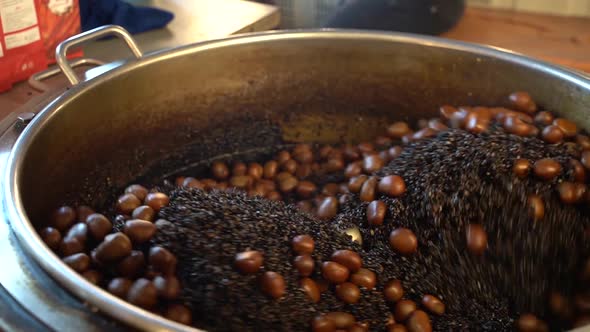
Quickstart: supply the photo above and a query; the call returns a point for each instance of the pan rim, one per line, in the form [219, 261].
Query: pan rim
[115, 307]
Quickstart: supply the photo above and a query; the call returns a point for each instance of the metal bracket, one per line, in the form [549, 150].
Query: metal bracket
[35, 79]
[26, 117]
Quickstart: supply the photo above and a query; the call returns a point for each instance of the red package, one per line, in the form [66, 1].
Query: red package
[29, 32]
[58, 20]
[21, 47]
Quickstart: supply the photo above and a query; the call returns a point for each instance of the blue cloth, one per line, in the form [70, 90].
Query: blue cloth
[135, 19]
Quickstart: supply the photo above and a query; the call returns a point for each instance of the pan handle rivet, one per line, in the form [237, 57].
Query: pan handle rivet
[26, 117]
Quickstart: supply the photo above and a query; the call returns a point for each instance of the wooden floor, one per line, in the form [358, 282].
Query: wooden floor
[563, 40]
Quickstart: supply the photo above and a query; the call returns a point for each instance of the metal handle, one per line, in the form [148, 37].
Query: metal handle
[35, 79]
[77, 40]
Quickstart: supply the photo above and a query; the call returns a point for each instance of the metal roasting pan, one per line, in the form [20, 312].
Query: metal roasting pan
[156, 113]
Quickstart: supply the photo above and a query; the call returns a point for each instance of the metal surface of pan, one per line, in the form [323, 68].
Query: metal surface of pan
[159, 112]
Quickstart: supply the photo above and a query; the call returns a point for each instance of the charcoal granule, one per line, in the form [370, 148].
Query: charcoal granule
[458, 178]
[453, 179]
[205, 232]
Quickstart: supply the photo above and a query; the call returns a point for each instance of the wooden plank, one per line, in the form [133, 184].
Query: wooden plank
[563, 40]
